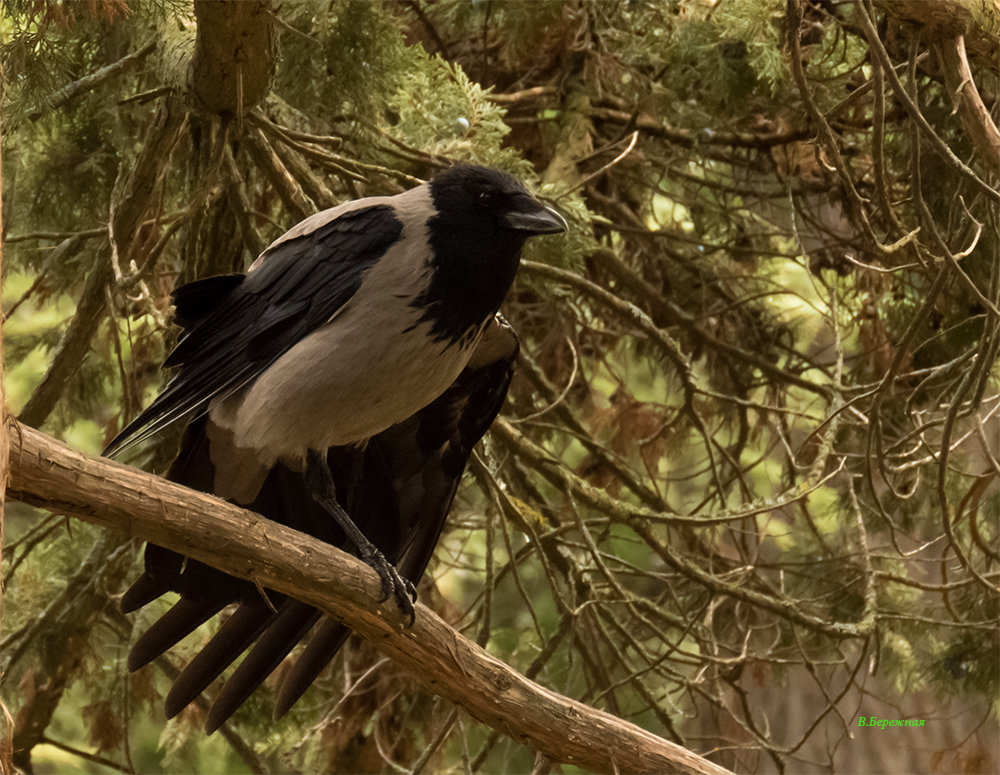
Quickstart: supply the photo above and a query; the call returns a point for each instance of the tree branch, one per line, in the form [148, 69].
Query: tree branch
[6, 724]
[977, 20]
[72, 346]
[92, 81]
[55, 643]
[975, 115]
[46, 473]
[913, 109]
[126, 217]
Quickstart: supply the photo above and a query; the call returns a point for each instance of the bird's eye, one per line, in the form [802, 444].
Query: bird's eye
[487, 199]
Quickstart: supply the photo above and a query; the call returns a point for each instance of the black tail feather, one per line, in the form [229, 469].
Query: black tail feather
[284, 631]
[175, 625]
[322, 648]
[232, 639]
[144, 591]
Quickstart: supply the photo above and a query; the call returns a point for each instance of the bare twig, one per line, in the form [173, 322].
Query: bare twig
[93, 81]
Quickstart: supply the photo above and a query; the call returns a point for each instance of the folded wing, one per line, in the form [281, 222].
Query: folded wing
[399, 496]
[237, 325]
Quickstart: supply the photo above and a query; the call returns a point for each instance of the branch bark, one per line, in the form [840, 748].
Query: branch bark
[977, 20]
[48, 474]
[93, 81]
[235, 54]
[73, 345]
[972, 110]
[6, 725]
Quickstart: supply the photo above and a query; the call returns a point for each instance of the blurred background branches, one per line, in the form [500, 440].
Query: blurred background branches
[746, 487]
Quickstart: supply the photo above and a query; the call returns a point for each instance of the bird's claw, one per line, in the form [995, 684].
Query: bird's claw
[393, 585]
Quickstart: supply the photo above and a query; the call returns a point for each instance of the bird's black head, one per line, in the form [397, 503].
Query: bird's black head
[481, 220]
[490, 204]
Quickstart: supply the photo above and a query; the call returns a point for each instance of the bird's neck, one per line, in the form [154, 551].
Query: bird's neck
[466, 291]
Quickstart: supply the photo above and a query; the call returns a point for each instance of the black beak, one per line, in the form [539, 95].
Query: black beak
[534, 218]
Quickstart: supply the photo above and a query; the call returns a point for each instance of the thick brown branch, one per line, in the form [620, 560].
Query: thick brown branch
[48, 474]
[72, 347]
[975, 115]
[977, 20]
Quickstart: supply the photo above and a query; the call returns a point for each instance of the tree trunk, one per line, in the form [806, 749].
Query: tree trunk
[234, 56]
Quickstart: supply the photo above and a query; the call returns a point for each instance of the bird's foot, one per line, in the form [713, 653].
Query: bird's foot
[393, 585]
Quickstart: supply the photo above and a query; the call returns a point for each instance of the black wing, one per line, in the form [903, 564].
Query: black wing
[409, 476]
[237, 325]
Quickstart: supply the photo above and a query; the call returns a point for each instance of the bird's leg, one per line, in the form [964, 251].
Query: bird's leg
[321, 486]
[357, 456]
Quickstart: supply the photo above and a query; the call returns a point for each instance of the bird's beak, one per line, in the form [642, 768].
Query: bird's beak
[534, 218]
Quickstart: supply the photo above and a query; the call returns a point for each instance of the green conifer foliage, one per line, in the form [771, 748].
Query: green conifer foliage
[745, 490]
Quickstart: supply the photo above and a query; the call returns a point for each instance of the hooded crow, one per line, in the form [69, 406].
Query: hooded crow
[338, 387]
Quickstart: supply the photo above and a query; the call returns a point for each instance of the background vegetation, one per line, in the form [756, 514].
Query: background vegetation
[745, 490]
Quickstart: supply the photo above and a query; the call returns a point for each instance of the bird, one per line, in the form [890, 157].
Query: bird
[338, 386]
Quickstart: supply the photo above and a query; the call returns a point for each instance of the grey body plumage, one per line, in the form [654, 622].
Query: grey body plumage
[361, 355]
